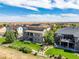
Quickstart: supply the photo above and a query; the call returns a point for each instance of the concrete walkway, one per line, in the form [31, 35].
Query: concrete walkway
[42, 53]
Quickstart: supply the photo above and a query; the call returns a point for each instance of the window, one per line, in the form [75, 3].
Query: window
[71, 45]
[31, 34]
[27, 33]
[64, 44]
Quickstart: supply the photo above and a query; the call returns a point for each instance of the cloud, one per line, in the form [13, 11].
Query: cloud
[69, 15]
[66, 4]
[41, 18]
[48, 4]
[29, 4]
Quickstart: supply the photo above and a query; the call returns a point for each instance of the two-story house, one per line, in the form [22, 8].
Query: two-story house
[35, 33]
[67, 38]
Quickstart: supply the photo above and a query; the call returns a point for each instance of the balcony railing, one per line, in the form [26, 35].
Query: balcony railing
[68, 40]
[64, 40]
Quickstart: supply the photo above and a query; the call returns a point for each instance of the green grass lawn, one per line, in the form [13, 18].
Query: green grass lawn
[2, 39]
[55, 51]
[18, 44]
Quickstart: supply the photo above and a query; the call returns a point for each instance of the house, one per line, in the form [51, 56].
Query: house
[29, 32]
[67, 38]
[18, 29]
[20, 32]
[35, 33]
[2, 31]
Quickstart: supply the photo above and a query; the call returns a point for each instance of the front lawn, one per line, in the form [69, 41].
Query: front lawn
[2, 39]
[18, 44]
[55, 51]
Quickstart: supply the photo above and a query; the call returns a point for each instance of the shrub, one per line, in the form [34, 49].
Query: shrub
[35, 54]
[25, 50]
[6, 42]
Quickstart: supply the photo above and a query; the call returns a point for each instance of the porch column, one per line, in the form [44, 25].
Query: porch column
[28, 34]
[60, 43]
[67, 44]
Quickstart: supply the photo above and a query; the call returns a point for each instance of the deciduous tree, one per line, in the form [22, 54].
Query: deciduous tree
[10, 36]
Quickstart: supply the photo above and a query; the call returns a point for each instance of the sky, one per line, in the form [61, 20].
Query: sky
[39, 10]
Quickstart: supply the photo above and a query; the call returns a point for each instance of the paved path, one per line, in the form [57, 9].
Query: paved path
[42, 53]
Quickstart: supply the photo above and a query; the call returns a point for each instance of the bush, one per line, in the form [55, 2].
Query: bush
[35, 54]
[25, 50]
[6, 42]
[11, 47]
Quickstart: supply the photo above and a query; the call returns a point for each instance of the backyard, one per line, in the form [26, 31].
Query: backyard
[67, 54]
[51, 51]
[33, 46]
[9, 53]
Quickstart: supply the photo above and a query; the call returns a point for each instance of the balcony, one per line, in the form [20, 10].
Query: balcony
[65, 40]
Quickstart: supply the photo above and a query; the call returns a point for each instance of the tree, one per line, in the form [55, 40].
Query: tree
[55, 27]
[49, 37]
[16, 33]
[10, 36]
[73, 25]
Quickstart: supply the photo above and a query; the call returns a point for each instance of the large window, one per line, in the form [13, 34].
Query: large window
[71, 45]
[64, 44]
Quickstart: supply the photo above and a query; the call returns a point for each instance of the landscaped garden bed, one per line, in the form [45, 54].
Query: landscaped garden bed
[67, 54]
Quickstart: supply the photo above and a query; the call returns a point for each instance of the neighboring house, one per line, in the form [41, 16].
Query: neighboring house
[20, 32]
[2, 31]
[67, 38]
[35, 33]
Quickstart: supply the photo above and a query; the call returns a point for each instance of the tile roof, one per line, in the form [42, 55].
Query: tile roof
[69, 30]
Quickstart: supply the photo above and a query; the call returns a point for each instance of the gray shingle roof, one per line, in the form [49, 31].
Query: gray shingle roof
[69, 30]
